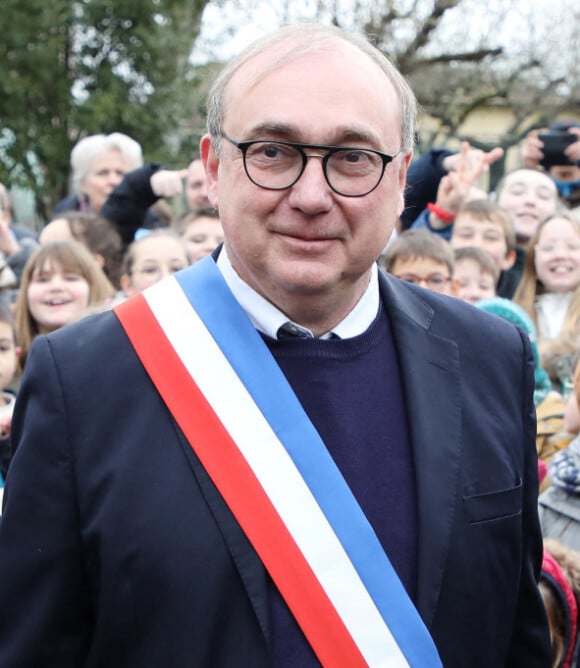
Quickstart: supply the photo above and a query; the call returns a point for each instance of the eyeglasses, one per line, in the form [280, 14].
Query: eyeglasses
[277, 165]
[433, 281]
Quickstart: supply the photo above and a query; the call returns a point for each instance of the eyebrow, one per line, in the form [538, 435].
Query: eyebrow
[287, 132]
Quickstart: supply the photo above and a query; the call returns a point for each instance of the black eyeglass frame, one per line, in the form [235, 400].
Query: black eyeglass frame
[243, 146]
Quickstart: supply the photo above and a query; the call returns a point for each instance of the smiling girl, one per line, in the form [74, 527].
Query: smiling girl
[550, 287]
[59, 282]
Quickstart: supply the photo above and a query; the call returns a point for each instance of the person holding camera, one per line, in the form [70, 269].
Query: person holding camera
[558, 152]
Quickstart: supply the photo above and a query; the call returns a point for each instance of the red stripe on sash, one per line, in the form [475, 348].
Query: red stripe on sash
[242, 492]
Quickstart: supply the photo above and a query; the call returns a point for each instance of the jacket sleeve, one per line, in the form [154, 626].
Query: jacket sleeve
[45, 612]
[423, 178]
[530, 645]
[128, 204]
[422, 221]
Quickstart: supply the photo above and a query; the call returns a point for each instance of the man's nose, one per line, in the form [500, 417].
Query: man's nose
[311, 193]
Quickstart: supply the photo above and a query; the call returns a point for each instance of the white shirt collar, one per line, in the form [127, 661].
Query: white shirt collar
[268, 319]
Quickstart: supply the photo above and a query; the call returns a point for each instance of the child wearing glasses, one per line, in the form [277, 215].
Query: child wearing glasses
[151, 258]
[423, 258]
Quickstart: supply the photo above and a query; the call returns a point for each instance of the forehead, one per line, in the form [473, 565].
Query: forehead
[6, 331]
[558, 226]
[205, 223]
[421, 265]
[49, 265]
[317, 94]
[57, 230]
[195, 171]
[467, 220]
[530, 179]
[159, 247]
[107, 158]
[468, 264]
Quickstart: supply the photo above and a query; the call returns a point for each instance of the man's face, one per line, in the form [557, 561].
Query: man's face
[528, 197]
[308, 241]
[195, 186]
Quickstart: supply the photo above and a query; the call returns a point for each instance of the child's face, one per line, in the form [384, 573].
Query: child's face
[473, 283]
[56, 297]
[484, 234]
[426, 272]
[202, 236]
[155, 258]
[528, 197]
[9, 353]
[557, 256]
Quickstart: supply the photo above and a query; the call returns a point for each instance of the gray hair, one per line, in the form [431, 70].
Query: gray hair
[89, 148]
[299, 39]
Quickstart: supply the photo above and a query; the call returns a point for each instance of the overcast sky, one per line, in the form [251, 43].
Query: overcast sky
[549, 25]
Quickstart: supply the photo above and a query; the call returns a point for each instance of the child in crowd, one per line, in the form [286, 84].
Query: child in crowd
[551, 435]
[550, 291]
[528, 196]
[151, 258]
[94, 232]
[421, 257]
[560, 588]
[201, 230]
[9, 353]
[484, 224]
[60, 281]
[476, 274]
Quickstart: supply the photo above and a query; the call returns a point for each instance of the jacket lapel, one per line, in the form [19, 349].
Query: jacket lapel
[244, 556]
[430, 372]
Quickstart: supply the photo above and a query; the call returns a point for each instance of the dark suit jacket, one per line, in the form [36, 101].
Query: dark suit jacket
[117, 550]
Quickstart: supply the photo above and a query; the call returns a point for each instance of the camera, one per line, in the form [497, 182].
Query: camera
[555, 143]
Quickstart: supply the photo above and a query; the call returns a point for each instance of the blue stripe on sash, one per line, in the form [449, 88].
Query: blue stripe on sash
[209, 295]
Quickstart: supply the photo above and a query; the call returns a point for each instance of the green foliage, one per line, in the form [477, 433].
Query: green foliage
[72, 68]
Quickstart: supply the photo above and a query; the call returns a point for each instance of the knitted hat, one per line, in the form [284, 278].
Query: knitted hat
[508, 310]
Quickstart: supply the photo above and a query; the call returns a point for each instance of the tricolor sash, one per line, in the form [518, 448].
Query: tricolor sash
[248, 429]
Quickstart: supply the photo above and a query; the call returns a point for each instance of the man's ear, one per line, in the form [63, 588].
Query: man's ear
[404, 166]
[509, 260]
[211, 162]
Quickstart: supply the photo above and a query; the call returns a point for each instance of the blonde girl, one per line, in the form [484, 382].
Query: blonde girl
[59, 282]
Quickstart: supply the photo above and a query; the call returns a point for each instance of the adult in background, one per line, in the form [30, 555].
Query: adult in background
[557, 150]
[127, 205]
[98, 164]
[280, 456]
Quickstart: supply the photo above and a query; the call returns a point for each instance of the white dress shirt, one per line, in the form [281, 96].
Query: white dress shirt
[267, 319]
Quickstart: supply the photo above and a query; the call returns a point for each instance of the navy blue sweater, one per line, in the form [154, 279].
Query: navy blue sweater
[352, 392]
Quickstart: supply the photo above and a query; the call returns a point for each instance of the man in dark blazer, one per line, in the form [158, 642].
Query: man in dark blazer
[121, 544]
